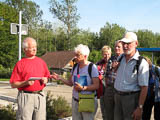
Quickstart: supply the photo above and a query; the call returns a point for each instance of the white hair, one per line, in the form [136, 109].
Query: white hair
[83, 49]
[25, 42]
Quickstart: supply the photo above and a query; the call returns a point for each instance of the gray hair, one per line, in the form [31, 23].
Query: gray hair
[118, 41]
[25, 42]
[83, 49]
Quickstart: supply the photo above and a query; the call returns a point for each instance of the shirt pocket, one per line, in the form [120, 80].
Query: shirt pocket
[132, 75]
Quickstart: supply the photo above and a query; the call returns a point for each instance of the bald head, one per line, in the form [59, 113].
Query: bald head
[29, 47]
[28, 41]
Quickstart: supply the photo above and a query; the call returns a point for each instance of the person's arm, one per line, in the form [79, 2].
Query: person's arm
[67, 82]
[21, 84]
[137, 114]
[58, 77]
[91, 87]
[27, 82]
[143, 77]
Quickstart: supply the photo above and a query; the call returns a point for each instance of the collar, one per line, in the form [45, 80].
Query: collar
[136, 55]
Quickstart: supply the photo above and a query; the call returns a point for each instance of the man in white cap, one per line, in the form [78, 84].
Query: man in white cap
[131, 83]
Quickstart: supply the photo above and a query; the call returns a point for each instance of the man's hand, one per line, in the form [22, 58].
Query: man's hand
[30, 82]
[115, 65]
[137, 114]
[44, 80]
[55, 76]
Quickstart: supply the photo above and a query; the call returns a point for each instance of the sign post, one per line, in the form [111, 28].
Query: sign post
[20, 24]
[21, 29]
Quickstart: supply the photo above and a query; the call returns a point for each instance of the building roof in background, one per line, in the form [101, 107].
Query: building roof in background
[58, 59]
[148, 49]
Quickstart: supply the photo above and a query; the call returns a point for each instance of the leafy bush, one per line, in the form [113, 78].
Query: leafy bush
[95, 56]
[7, 113]
[5, 72]
[57, 108]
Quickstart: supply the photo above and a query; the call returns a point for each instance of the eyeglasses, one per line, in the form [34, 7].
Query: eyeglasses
[127, 43]
[78, 55]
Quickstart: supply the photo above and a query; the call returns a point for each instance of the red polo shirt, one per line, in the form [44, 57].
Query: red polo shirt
[26, 68]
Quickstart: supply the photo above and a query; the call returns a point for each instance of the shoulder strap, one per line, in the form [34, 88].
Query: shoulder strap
[119, 60]
[139, 62]
[74, 66]
[156, 71]
[90, 69]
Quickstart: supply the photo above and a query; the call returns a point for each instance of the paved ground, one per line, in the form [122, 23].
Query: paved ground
[56, 90]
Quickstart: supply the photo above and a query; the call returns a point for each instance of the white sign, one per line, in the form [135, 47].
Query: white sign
[15, 29]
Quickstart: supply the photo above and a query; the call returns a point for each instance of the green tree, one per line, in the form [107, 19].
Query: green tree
[109, 34]
[95, 56]
[146, 38]
[31, 12]
[82, 37]
[9, 43]
[66, 12]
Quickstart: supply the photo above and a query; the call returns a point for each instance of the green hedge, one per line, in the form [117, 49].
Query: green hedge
[5, 73]
[57, 108]
[7, 113]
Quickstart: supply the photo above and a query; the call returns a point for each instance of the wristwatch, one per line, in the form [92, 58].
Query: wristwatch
[83, 88]
[140, 106]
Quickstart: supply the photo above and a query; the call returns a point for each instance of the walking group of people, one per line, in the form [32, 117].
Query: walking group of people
[126, 84]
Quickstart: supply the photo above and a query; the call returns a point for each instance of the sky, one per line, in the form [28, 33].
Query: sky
[130, 14]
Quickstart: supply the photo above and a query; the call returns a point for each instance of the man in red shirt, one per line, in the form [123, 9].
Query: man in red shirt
[29, 76]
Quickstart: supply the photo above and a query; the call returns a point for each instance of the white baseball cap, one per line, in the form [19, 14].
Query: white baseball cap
[129, 37]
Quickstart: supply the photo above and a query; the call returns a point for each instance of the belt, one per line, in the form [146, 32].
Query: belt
[75, 99]
[32, 92]
[110, 84]
[126, 93]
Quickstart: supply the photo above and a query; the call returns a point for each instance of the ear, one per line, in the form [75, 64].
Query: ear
[136, 43]
[24, 49]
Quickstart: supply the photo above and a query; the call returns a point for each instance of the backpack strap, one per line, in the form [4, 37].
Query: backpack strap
[120, 58]
[90, 69]
[138, 63]
[156, 71]
[74, 66]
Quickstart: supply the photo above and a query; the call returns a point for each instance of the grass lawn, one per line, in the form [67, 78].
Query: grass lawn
[4, 79]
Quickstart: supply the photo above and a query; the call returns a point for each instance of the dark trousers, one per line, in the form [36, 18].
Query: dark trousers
[147, 109]
[125, 105]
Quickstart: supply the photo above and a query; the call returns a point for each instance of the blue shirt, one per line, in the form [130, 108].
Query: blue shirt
[156, 83]
[126, 79]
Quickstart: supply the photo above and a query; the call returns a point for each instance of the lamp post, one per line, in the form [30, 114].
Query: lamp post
[20, 35]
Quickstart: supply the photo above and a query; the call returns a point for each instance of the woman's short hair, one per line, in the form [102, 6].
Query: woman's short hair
[83, 49]
[149, 61]
[106, 48]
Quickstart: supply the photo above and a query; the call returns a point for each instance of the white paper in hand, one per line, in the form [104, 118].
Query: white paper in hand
[35, 78]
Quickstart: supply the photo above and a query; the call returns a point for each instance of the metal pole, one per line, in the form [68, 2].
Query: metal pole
[20, 26]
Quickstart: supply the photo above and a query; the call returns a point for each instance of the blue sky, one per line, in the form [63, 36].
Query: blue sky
[131, 14]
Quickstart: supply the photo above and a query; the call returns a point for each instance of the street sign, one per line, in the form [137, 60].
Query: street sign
[15, 29]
